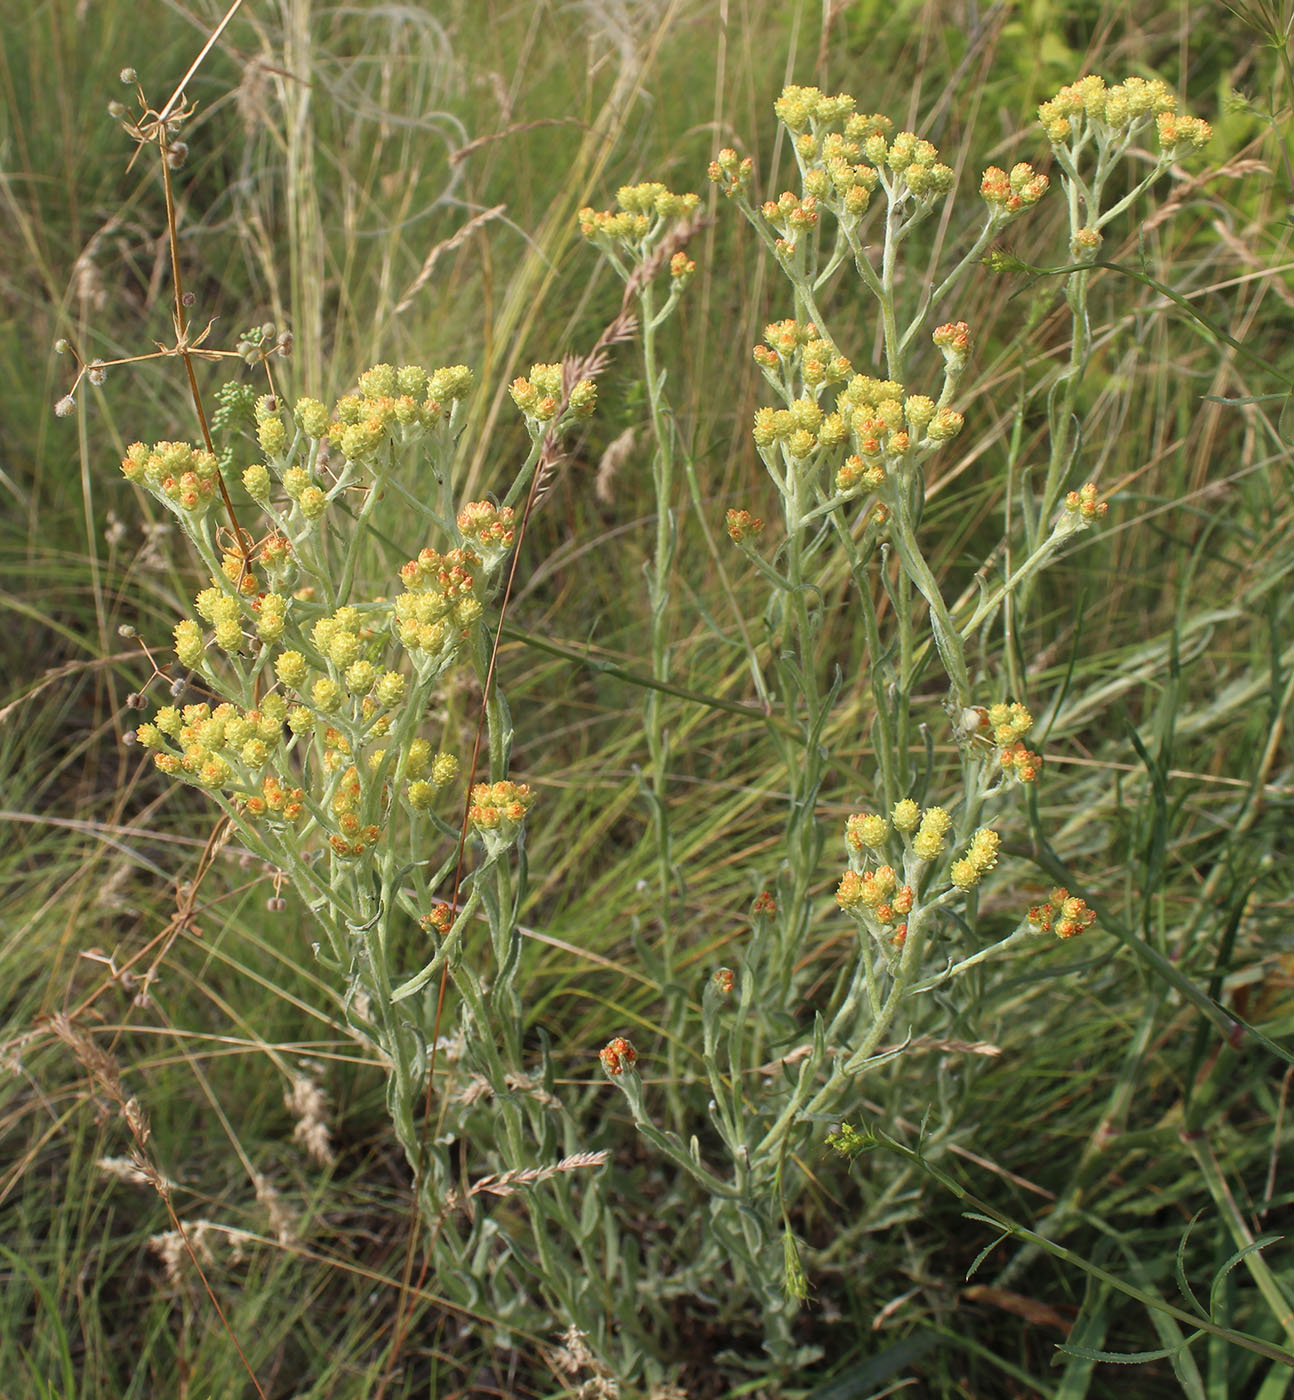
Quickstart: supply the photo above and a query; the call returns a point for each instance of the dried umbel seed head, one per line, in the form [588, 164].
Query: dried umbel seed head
[617, 1056]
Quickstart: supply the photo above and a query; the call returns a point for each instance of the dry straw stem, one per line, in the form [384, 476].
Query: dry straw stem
[106, 1077]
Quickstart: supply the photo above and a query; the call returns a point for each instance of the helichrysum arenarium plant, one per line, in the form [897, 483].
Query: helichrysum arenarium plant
[315, 737]
[845, 447]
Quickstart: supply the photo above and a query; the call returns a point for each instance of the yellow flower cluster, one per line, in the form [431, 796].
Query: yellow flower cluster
[807, 109]
[336, 700]
[227, 747]
[392, 407]
[792, 348]
[488, 528]
[1119, 112]
[185, 477]
[439, 603]
[742, 526]
[540, 396]
[643, 209]
[496, 805]
[791, 215]
[882, 427]
[980, 857]
[1004, 726]
[866, 829]
[497, 811]
[931, 833]
[1008, 195]
[1062, 914]
[1084, 504]
[730, 172]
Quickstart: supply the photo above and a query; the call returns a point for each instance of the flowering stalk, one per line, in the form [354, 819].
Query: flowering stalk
[641, 239]
[1091, 128]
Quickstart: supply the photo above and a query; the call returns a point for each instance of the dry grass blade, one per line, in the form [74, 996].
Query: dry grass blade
[575, 368]
[510, 1182]
[446, 245]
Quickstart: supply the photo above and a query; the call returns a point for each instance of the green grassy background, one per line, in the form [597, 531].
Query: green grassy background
[332, 161]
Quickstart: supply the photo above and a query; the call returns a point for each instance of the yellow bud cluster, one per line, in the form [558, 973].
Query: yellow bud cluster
[799, 108]
[584, 398]
[311, 417]
[275, 554]
[256, 482]
[645, 214]
[1009, 721]
[538, 397]
[188, 643]
[271, 616]
[953, 340]
[417, 759]
[876, 895]
[1180, 135]
[1005, 725]
[856, 475]
[1017, 758]
[791, 215]
[225, 747]
[868, 890]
